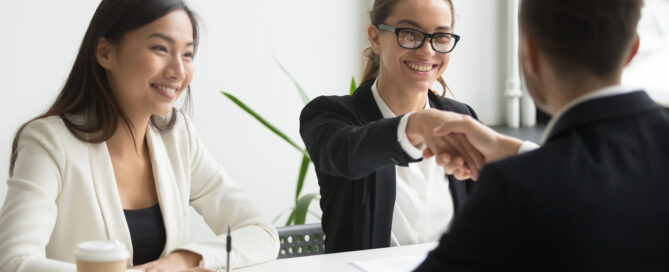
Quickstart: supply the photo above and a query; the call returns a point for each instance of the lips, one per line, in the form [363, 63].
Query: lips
[167, 90]
[420, 67]
[164, 88]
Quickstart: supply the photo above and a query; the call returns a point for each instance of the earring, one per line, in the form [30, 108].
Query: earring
[377, 50]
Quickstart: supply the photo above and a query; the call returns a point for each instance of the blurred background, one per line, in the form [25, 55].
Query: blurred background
[319, 43]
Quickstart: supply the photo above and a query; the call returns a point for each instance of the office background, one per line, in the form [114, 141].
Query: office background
[319, 42]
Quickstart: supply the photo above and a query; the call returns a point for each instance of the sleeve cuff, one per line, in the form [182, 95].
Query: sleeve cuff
[415, 152]
[527, 146]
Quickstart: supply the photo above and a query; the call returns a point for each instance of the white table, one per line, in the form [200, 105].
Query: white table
[339, 262]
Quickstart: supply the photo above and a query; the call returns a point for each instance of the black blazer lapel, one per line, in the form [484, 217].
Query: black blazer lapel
[364, 103]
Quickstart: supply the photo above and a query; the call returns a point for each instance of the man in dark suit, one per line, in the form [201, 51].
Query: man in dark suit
[595, 196]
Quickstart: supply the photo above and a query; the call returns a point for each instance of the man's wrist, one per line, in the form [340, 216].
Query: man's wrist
[508, 146]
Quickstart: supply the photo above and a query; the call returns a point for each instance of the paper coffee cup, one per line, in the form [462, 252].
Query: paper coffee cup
[101, 256]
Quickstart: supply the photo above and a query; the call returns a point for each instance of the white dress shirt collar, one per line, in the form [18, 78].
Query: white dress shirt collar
[383, 107]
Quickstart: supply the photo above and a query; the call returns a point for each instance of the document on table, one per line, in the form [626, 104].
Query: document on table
[399, 264]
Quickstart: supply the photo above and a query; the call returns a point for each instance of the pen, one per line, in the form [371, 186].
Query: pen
[228, 248]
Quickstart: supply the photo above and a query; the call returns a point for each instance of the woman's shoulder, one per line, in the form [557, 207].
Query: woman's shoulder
[49, 134]
[349, 103]
[51, 127]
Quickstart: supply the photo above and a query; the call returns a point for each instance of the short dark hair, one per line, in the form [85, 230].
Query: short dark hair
[582, 35]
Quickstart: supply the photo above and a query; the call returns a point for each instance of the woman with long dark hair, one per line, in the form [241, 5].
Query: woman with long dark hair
[366, 147]
[112, 159]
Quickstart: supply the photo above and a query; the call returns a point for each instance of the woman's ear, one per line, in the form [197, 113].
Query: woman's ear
[373, 34]
[103, 53]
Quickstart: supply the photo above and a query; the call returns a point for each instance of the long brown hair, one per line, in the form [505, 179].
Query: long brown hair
[87, 92]
[381, 10]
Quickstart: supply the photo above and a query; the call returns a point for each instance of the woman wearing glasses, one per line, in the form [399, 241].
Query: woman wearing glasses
[366, 147]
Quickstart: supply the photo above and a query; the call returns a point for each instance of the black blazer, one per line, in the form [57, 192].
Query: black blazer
[355, 151]
[595, 197]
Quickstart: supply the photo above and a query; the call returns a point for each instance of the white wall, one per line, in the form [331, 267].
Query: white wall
[319, 42]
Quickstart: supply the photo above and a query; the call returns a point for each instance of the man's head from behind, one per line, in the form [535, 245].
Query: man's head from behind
[576, 41]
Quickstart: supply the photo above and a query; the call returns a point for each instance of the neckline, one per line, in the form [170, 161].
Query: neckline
[157, 206]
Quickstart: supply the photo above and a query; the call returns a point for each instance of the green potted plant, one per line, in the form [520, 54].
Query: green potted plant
[298, 213]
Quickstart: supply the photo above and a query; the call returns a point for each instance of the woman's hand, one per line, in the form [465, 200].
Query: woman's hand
[454, 164]
[466, 159]
[179, 260]
[490, 144]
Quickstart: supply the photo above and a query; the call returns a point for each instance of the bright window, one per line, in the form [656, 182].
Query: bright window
[650, 68]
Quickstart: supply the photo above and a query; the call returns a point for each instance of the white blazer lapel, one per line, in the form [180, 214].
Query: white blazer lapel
[104, 183]
[168, 191]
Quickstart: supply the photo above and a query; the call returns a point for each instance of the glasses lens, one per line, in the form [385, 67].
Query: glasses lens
[443, 42]
[409, 38]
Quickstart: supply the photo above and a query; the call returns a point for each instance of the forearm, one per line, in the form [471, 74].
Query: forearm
[355, 151]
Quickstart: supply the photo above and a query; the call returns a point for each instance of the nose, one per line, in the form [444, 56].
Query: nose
[426, 48]
[175, 68]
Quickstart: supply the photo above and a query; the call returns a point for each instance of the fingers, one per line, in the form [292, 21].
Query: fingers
[463, 153]
[454, 125]
[463, 174]
[438, 145]
[476, 159]
[451, 163]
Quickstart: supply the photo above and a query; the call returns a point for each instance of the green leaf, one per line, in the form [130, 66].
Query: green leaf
[265, 123]
[301, 175]
[303, 94]
[290, 220]
[302, 207]
[353, 85]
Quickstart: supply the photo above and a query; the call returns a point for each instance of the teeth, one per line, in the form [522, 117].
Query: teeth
[421, 68]
[167, 90]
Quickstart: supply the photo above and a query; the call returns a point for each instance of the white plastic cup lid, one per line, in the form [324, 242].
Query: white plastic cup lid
[101, 251]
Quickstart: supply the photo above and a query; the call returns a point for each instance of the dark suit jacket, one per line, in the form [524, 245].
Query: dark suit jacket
[595, 197]
[355, 152]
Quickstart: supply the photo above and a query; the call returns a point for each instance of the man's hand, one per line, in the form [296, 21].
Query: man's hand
[454, 164]
[492, 145]
[461, 143]
[421, 128]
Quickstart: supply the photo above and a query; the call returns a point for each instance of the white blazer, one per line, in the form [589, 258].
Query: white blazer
[63, 192]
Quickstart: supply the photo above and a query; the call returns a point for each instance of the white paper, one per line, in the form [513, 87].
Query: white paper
[398, 264]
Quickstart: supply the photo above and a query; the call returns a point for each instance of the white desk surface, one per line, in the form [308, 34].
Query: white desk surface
[339, 261]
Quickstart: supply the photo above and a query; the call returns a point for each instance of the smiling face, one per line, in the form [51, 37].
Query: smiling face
[151, 66]
[413, 70]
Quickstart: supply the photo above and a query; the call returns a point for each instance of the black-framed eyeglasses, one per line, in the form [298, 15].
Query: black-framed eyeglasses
[409, 38]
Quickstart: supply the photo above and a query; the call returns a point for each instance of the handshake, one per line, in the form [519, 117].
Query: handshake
[461, 144]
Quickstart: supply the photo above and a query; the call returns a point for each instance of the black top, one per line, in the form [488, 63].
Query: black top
[147, 232]
[355, 151]
[595, 197]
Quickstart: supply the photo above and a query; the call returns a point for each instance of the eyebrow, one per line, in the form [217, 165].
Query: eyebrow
[417, 25]
[166, 38]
